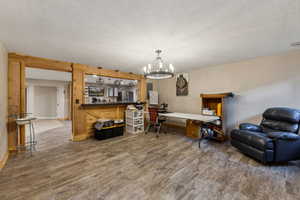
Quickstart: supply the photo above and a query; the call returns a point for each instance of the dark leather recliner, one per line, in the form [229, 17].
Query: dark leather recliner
[276, 139]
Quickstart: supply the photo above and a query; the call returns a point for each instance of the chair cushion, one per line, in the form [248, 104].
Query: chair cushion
[250, 127]
[282, 114]
[269, 125]
[283, 135]
[255, 139]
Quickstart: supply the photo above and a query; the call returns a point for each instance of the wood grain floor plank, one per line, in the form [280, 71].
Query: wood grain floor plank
[142, 167]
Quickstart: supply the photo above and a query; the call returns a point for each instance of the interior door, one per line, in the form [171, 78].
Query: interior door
[60, 103]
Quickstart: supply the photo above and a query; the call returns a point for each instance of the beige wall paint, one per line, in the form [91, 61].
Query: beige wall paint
[257, 83]
[62, 98]
[45, 102]
[3, 101]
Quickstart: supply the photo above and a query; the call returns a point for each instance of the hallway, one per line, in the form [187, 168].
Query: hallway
[51, 133]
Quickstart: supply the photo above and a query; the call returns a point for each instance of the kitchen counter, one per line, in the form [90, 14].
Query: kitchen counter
[110, 104]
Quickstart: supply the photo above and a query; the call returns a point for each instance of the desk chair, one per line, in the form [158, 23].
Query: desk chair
[155, 121]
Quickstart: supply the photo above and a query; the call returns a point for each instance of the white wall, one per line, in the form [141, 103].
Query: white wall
[257, 83]
[34, 93]
[52, 75]
[3, 101]
[45, 100]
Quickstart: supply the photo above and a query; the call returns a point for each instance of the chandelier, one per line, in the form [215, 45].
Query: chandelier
[159, 69]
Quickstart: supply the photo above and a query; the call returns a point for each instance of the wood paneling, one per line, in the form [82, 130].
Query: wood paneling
[84, 118]
[22, 99]
[81, 122]
[79, 119]
[42, 63]
[106, 112]
[3, 161]
[192, 129]
[143, 90]
[111, 73]
[14, 100]
[219, 95]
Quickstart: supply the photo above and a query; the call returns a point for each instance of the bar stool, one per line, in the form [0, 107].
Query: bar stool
[22, 120]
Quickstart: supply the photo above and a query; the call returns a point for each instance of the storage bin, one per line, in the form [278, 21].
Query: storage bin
[109, 132]
[134, 129]
[134, 121]
[118, 131]
[103, 134]
[134, 113]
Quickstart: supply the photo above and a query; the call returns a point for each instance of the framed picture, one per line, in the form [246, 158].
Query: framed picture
[182, 84]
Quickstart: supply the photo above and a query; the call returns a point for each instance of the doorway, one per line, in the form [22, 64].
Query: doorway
[48, 98]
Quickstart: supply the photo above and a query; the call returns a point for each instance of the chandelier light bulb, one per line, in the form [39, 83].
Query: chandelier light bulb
[171, 68]
[159, 69]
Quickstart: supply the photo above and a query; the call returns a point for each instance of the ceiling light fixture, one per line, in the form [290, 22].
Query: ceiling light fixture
[159, 69]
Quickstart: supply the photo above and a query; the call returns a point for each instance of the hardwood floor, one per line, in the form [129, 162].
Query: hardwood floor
[52, 133]
[43, 125]
[144, 167]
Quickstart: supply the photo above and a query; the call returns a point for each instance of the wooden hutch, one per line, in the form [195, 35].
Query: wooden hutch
[215, 103]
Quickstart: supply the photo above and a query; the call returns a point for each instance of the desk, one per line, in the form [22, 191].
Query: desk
[196, 117]
[193, 129]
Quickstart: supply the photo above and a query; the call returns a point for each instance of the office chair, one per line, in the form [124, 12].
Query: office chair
[155, 121]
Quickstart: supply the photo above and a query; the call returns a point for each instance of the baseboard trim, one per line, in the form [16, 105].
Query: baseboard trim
[78, 138]
[63, 119]
[46, 117]
[12, 149]
[4, 160]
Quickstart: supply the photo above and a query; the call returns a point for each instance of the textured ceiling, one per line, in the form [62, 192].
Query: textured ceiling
[122, 34]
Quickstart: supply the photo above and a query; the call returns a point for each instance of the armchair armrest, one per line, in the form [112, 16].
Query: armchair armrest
[283, 136]
[250, 127]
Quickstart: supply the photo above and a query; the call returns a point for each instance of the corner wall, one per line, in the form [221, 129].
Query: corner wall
[257, 83]
[3, 103]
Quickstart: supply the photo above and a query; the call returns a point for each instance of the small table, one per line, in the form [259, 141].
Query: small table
[23, 119]
[197, 117]
[28, 120]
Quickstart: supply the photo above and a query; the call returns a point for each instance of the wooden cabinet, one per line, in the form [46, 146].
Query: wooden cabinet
[216, 104]
[192, 129]
[212, 104]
